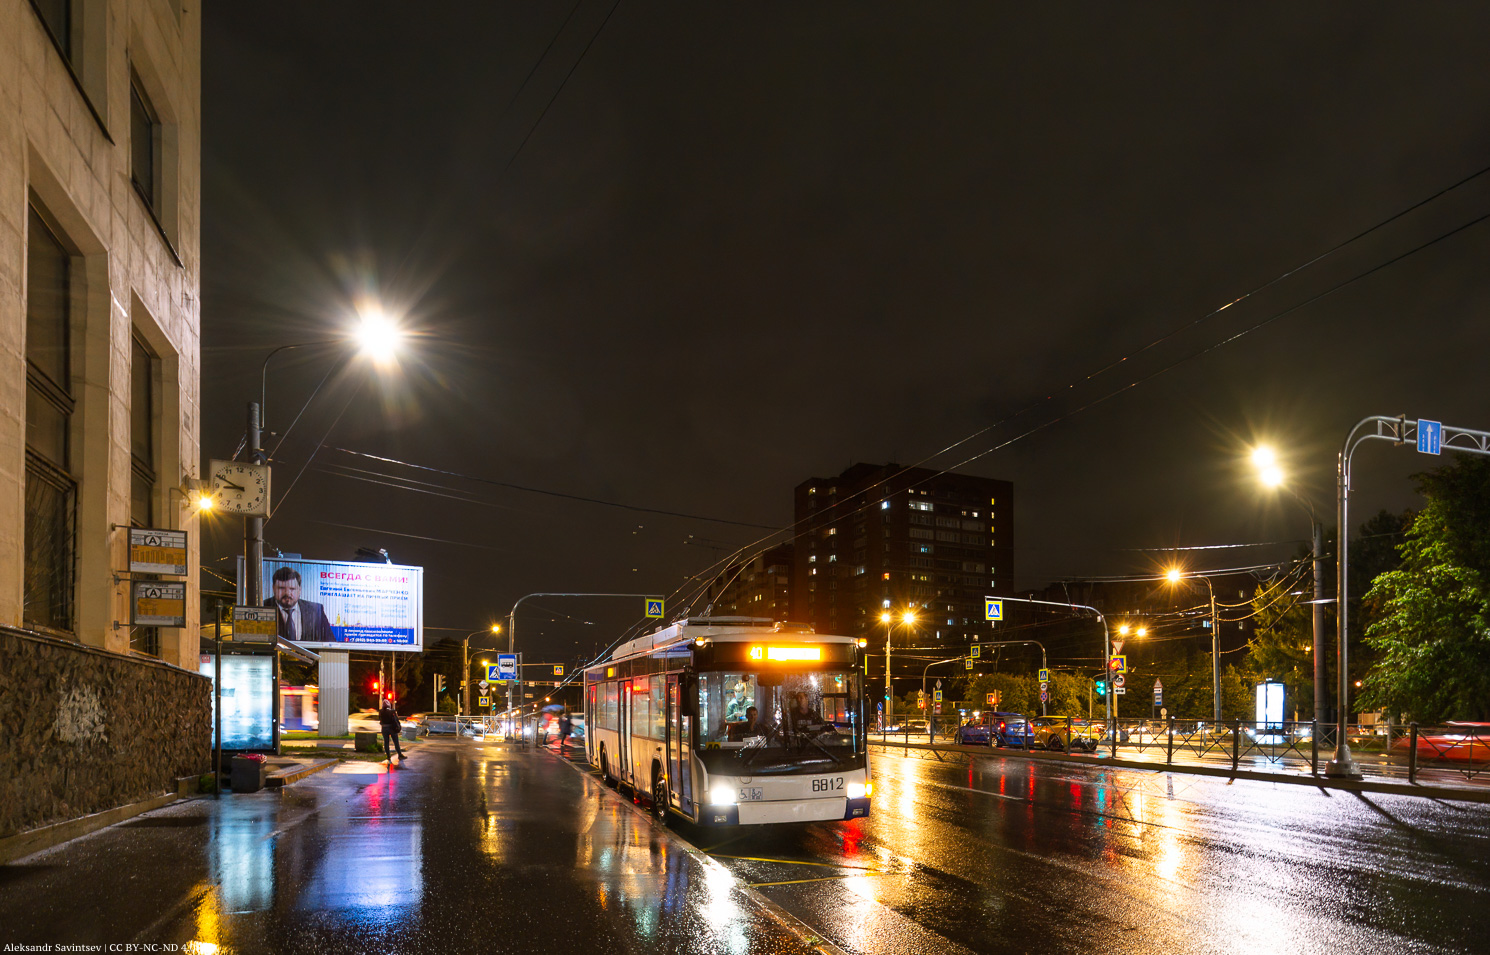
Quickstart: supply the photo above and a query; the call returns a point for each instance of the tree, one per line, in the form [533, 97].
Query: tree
[1282, 644]
[1433, 637]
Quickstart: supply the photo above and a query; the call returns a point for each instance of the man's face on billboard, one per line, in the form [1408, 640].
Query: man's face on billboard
[287, 592]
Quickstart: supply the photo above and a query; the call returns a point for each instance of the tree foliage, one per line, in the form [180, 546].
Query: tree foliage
[1432, 640]
[1281, 647]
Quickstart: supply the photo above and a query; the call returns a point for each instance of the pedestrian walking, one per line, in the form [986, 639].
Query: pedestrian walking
[388, 720]
[565, 723]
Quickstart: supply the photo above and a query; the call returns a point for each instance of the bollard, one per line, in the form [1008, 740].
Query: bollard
[1314, 747]
[1067, 747]
[1412, 752]
[1236, 739]
[1169, 742]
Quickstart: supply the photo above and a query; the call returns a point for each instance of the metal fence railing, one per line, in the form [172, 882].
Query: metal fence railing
[1385, 749]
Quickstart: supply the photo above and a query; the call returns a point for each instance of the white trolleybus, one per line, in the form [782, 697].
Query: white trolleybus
[733, 721]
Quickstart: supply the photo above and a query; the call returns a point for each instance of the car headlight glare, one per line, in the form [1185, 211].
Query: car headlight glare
[721, 796]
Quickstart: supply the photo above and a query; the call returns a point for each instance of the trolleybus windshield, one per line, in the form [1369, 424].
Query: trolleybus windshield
[759, 722]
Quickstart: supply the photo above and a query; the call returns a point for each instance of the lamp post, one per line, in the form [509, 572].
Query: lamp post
[1272, 476]
[465, 665]
[888, 619]
[1174, 576]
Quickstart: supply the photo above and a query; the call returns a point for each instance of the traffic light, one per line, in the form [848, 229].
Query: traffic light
[1101, 687]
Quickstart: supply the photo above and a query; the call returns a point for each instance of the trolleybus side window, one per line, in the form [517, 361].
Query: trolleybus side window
[640, 710]
[608, 715]
[658, 694]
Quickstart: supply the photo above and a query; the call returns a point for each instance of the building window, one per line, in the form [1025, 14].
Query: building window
[144, 146]
[884, 505]
[921, 505]
[51, 489]
[58, 16]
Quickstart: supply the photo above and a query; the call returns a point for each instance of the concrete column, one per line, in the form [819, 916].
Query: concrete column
[335, 701]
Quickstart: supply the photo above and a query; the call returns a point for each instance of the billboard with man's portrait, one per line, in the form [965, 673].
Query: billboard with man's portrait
[345, 605]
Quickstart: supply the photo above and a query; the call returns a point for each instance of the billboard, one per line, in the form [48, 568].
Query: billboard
[345, 605]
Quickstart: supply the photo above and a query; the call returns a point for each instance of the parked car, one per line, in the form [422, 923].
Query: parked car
[996, 728]
[1066, 734]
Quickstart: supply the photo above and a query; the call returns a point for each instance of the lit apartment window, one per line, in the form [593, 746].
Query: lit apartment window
[885, 506]
[921, 505]
[144, 146]
[51, 489]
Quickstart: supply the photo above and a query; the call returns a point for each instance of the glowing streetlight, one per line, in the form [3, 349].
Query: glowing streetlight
[888, 619]
[1271, 475]
[378, 336]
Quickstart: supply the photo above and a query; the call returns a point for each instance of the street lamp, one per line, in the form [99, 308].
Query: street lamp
[465, 665]
[888, 619]
[1174, 575]
[1272, 475]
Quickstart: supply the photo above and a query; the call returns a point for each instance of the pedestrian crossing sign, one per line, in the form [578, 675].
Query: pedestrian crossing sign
[558, 669]
[976, 650]
[654, 609]
[993, 608]
[968, 663]
[484, 701]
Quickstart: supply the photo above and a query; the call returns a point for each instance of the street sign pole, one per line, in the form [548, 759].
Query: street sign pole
[1431, 438]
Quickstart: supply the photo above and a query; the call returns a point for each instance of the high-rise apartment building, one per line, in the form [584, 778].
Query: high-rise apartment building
[883, 537]
[758, 587]
[99, 311]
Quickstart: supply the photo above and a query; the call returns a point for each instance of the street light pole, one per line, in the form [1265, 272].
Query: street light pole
[1215, 652]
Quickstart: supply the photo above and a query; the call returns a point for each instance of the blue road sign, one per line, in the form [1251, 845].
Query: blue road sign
[654, 608]
[506, 666]
[993, 608]
[1430, 436]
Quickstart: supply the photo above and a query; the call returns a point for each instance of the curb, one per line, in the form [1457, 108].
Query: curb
[284, 778]
[1317, 782]
[35, 840]
[803, 932]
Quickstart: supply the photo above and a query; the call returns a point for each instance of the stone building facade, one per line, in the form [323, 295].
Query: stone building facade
[100, 112]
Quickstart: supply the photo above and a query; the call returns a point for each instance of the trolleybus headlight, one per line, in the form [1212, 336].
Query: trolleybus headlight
[721, 796]
[860, 790]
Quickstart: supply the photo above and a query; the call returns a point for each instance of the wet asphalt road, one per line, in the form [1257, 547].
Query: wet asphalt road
[479, 847]
[1013, 855]
[465, 848]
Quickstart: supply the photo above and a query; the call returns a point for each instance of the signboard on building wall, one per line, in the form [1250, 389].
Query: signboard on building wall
[154, 551]
[157, 603]
[345, 605]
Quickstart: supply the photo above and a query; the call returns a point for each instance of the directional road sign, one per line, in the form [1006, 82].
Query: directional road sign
[993, 608]
[654, 608]
[1158, 693]
[1430, 436]
[1120, 690]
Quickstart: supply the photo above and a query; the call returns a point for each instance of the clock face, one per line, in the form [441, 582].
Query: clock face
[241, 487]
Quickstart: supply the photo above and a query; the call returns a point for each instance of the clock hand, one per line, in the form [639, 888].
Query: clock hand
[236, 487]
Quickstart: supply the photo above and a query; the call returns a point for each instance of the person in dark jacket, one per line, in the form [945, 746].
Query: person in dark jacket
[388, 720]
[566, 722]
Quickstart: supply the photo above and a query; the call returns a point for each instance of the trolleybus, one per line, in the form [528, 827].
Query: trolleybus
[734, 721]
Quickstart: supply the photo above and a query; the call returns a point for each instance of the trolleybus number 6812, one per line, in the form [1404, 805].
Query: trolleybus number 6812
[827, 785]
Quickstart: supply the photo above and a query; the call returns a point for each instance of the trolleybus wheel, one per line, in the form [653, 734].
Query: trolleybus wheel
[659, 796]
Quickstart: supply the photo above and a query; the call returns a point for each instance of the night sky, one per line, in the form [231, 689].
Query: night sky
[748, 244]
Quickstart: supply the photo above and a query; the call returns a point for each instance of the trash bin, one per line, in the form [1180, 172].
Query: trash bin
[248, 773]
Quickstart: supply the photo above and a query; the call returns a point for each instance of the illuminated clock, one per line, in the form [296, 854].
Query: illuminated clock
[240, 487]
